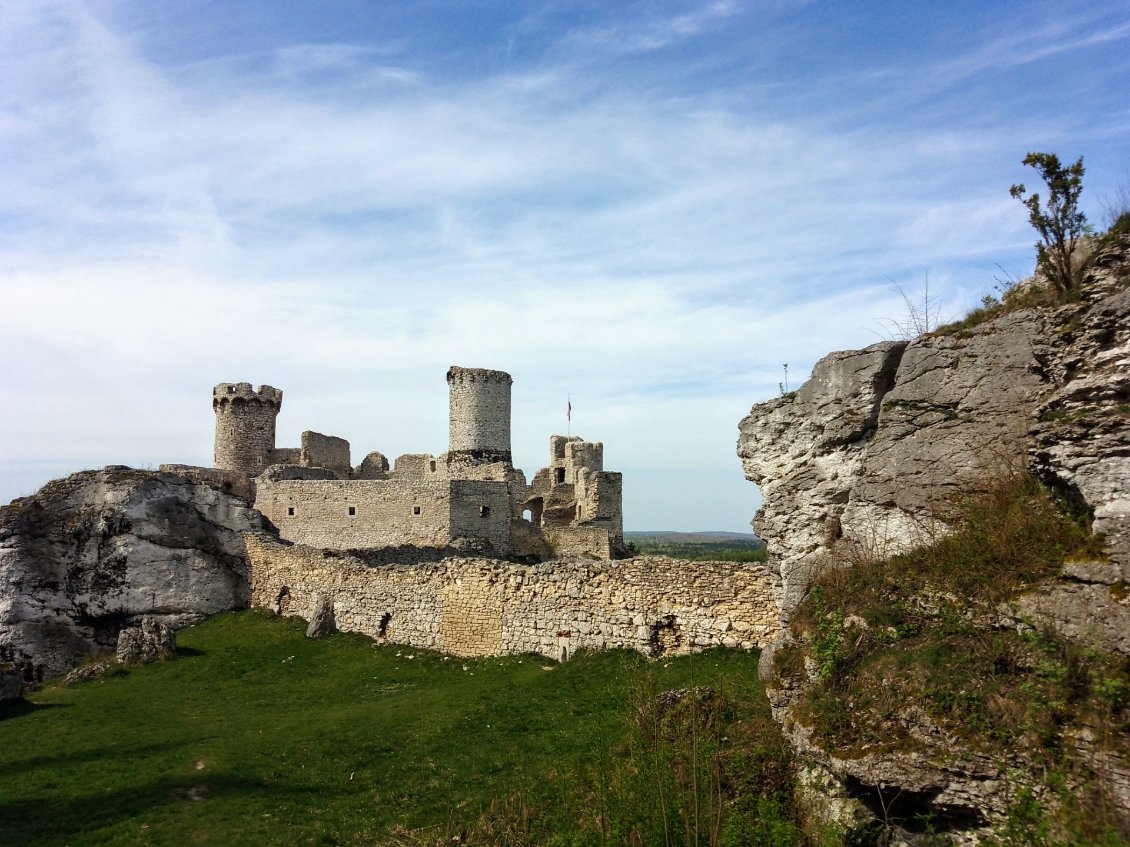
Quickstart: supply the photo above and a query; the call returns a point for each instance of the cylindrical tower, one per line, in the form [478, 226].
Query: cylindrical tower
[245, 426]
[480, 416]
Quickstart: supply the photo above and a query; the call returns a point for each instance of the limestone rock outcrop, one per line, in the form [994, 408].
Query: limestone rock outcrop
[869, 457]
[875, 446]
[88, 555]
[152, 641]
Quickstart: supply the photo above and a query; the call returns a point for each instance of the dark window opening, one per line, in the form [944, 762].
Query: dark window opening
[484, 511]
[560, 472]
[433, 465]
[352, 510]
[415, 510]
[290, 510]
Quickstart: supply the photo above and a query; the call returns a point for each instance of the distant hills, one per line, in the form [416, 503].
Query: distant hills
[700, 546]
[694, 537]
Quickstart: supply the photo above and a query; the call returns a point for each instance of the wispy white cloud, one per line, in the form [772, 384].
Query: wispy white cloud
[342, 221]
[655, 32]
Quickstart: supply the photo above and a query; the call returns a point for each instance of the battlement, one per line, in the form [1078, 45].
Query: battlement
[230, 393]
[457, 374]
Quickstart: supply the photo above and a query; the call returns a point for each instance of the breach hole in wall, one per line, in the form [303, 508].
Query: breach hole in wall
[382, 627]
[432, 465]
[282, 601]
[564, 654]
[666, 636]
[559, 475]
[353, 510]
[416, 510]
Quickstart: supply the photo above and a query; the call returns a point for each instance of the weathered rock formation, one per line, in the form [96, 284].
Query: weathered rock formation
[872, 450]
[867, 459]
[151, 641]
[92, 553]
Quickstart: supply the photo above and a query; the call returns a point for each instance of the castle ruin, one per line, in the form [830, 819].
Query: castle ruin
[470, 497]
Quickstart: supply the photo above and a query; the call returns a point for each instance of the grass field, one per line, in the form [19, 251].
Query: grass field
[256, 735]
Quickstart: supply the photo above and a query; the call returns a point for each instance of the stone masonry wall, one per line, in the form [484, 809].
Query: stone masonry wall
[384, 512]
[481, 510]
[476, 607]
[353, 514]
[325, 451]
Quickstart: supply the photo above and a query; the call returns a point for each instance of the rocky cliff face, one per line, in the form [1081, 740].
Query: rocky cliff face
[91, 553]
[874, 447]
[868, 458]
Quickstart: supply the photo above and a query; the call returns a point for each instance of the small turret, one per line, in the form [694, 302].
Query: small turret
[245, 426]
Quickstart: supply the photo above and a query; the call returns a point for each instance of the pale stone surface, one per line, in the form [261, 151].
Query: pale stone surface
[85, 673]
[88, 554]
[473, 607]
[322, 621]
[150, 642]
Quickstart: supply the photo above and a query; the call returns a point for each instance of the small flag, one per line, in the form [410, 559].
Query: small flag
[569, 411]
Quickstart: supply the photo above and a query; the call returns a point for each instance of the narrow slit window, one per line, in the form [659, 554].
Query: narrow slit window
[352, 510]
[290, 511]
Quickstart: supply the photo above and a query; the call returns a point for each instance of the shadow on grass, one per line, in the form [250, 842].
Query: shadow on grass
[55, 819]
[21, 707]
[70, 759]
[190, 651]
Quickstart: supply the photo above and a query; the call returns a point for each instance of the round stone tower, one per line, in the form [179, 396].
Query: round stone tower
[245, 426]
[480, 416]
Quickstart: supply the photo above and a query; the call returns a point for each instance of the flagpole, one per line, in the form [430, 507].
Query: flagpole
[569, 415]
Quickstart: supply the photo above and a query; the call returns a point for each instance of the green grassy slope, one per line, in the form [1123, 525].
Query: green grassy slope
[256, 735]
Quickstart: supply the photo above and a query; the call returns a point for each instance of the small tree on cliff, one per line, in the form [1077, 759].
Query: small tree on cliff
[1060, 222]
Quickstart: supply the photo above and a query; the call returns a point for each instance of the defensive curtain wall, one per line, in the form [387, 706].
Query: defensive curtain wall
[482, 607]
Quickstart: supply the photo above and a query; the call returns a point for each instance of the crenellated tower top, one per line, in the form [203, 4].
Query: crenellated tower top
[245, 426]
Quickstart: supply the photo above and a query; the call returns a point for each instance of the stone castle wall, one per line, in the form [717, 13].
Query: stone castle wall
[354, 514]
[479, 410]
[476, 607]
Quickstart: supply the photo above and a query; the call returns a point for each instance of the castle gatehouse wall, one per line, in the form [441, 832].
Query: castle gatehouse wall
[354, 514]
[483, 607]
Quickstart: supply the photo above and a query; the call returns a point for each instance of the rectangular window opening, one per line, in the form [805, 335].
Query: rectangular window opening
[290, 510]
[484, 511]
[352, 510]
[416, 510]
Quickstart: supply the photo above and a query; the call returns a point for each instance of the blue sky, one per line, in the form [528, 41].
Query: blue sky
[649, 207]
